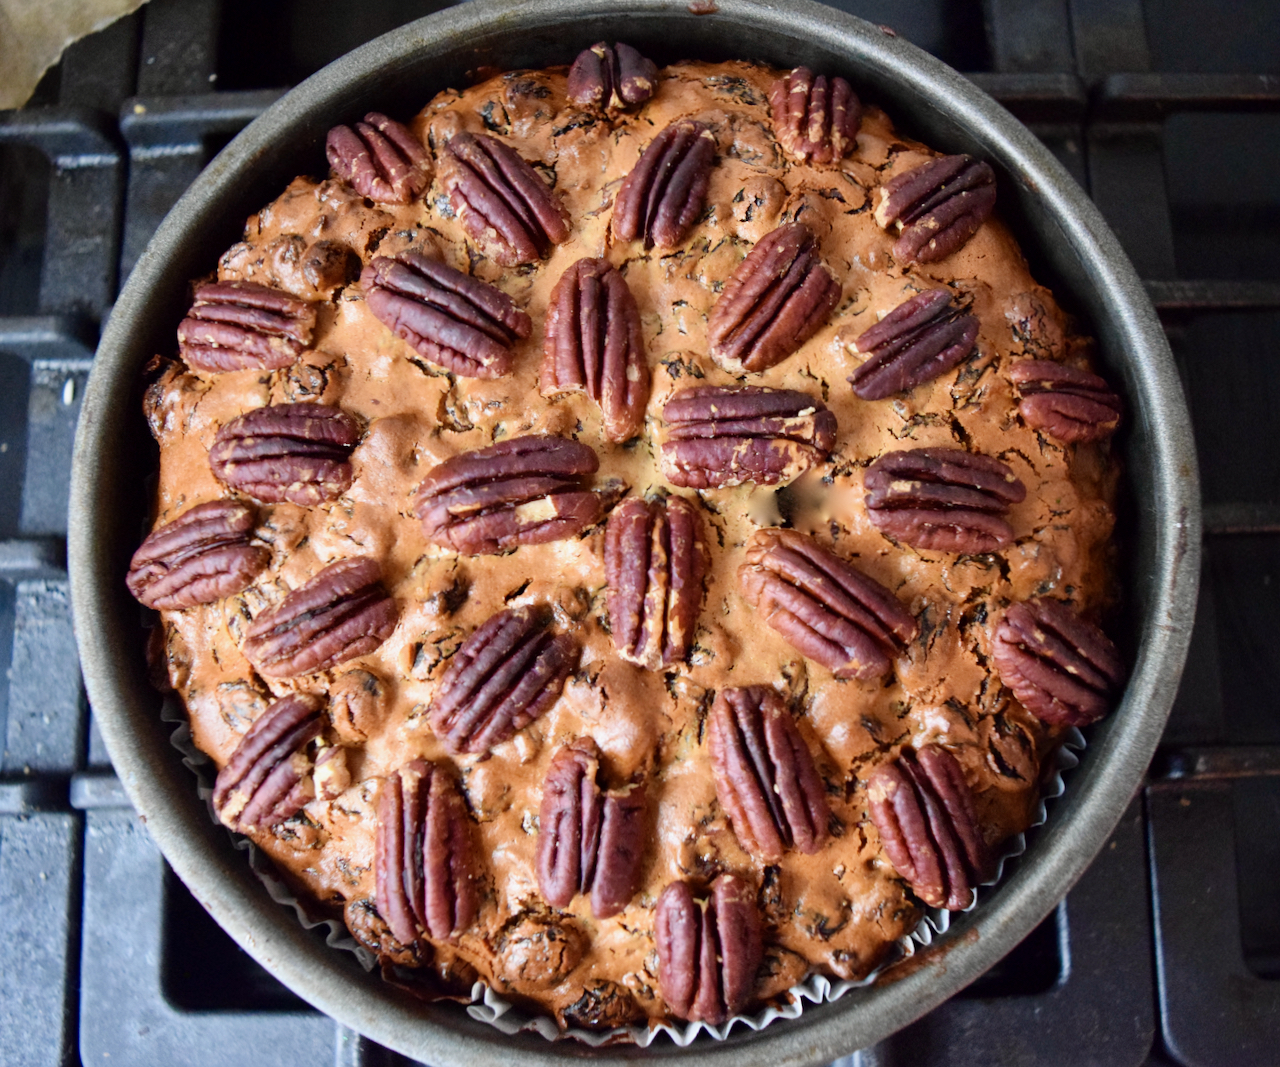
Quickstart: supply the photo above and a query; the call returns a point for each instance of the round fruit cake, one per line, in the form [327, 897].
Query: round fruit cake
[631, 536]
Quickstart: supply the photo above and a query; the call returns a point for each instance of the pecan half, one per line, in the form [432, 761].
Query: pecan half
[243, 326]
[523, 491]
[1062, 668]
[662, 197]
[447, 317]
[1066, 402]
[708, 955]
[298, 453]
[777, 298]
[923, 809]
[823, 605]
[381, 158]
[341, 613]
[815, 120]
[655, 557]
[942, 498]
[765, 778]
[918, 340]
[719, 435]
[502, 201]
[425, 864]
[504, 676]
[588, 841]
[201, 556]
[594, 345]
[611, 77]
[268, 777]
[937, 206]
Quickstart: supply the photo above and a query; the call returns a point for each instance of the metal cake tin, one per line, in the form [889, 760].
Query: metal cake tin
[1070, 248]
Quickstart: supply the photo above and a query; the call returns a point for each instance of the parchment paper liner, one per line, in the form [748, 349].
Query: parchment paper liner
[488, 1007]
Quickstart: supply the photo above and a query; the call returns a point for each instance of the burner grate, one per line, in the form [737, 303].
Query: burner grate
[1167, 950]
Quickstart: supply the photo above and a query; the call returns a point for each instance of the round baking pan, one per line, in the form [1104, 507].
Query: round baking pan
[1070, 249]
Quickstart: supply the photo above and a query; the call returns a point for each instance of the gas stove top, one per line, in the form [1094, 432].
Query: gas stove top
[1166, 952]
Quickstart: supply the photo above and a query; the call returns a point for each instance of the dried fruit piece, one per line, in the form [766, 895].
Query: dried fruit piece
[924, 811]
[523, 491]
[503, 202]
[540, 950]
[298, 453]
[201, 556]
[341, 613]
[815, 120]
[917, 341]
[777, 298]
[721, 435]
[243, 326]
[1066, 402]
[381, 158]
[503, 677]
[455, 321]
[611, 77]
[268, 777]
[1063, 669]
[765, 778]
[369, 928]
[708, 954]
[588, 841]
[823, 605]
[655, 557]
[662, 197]
[594, 345]
[425, 862]
[942, 498]
[937, 206]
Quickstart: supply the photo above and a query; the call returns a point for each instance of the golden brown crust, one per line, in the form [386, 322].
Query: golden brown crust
[836, 910]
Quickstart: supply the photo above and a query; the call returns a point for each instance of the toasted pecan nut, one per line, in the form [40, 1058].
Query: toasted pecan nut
[447, 317]
[719, 435]
[201, 556]
[662, 197]
[923, 809]
[244, 326]
[502, 201]
[942, 498]
[300, 453]
[594, 345]
[708, 956]
[1069, 404]
[815, 119]
[425, 859]
[381, 158]
[504, 676]
[611, 77]
[918, 340]
[589, 841]
[823, 605]
[777, 298]
[765, 778]
[937, 206]
[341, 613]
[655, 558]
[1063, 669]
[268, 777]
[522, 491]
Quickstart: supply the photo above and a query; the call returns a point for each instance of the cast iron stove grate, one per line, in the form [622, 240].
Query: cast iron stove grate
[1166, 952]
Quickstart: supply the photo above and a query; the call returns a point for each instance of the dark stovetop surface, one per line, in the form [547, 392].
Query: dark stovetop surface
[1166, 952]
